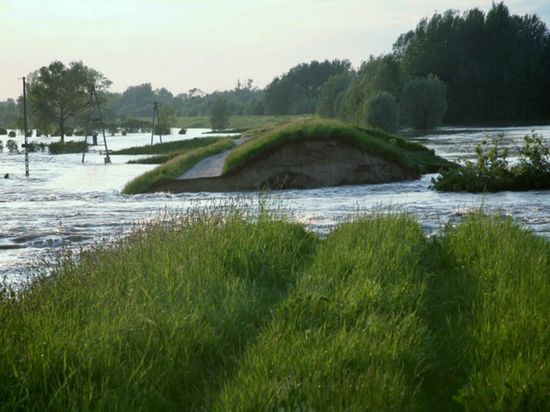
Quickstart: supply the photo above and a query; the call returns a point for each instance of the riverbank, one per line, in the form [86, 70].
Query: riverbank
[234, 311]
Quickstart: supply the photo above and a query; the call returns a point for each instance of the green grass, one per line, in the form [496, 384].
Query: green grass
[67, 147]
[348, 337]
[238, 311]
[156, 323]
[393, 148]
[176, 166]
[237, 122]
[168, 148]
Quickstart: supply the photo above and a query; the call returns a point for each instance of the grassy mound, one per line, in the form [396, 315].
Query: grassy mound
[393, 148]
[176, 166]
[236, 312]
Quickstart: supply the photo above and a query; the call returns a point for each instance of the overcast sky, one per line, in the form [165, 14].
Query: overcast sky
[182, 44]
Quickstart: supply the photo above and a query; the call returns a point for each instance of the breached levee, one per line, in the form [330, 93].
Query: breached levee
[312, 154]
[301, 165]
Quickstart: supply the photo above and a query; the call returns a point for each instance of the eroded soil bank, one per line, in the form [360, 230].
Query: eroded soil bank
[303, 164]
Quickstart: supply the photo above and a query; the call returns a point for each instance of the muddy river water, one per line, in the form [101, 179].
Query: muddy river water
[67, 204]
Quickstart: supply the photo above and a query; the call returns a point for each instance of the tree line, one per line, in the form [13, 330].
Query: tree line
[470, 67]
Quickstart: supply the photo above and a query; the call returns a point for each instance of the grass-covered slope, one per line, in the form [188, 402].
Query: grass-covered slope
[176, 166]
[169, 147]
[219, 313]
[393, 148]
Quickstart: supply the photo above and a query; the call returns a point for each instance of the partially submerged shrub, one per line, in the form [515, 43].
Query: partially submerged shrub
[11, 133]
[491, 171]
[182, 131]
[12, 146]
[67, 147]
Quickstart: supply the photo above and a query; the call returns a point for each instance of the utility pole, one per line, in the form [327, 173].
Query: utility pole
[157, 117]
[94, 98]
[25, 127]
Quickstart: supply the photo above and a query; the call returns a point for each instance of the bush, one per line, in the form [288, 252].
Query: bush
[382, 112]
[491, 171]
[424, 102]
[3, 131]
[36, 147]
[67, 147]
[1, 146]
[11, 134]
[182, 131]
[12, 146]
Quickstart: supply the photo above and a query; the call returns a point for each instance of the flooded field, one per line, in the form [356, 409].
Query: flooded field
[64, 203]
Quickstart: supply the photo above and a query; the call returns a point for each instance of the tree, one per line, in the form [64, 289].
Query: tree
[424, 102]
[219, 113]
[331, 93]
[58, 93]
[297, 91]
[382, 112]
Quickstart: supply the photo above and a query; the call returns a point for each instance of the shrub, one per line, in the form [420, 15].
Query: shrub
[11, 134]
[424, 102]
[491, 171]
[67, 147]
[12, 146]
[182, 131]
[382, 112]
[1, 146]
[3, 131]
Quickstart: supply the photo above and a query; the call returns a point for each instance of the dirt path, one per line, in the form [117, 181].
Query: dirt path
[211, 166]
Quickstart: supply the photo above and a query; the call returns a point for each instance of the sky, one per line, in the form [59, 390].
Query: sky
[208, 44]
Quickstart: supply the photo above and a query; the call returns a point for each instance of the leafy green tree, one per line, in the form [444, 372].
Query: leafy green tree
[297, 92]
[382, 112]
[424, 102]
[494, 64]
[331, 94]
[58, 93]
[219, 113]
[378, 74]
[167, 118]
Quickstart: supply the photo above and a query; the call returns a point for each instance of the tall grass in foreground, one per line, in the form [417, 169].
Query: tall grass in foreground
[493, 311]
[175, 167]
[239, 312]
[156, 323]
[349, 336]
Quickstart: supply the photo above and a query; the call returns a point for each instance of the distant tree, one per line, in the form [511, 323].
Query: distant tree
[382, 112]
[167, 118]
[331, 94]
[424, 102]
[494, 64]
[219, 113]
[58, 93]
[378, 74]
[297, 91]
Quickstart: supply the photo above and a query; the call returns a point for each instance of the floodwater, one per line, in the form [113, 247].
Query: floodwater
[67, 204]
